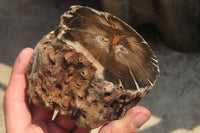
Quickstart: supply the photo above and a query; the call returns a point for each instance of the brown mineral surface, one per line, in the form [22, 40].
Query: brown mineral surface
[92, 68]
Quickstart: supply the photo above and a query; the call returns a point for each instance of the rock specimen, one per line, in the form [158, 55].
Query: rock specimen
[92, 68]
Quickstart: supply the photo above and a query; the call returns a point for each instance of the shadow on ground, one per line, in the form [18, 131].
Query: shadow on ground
[2, 86]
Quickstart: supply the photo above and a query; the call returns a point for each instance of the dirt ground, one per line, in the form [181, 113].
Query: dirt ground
[173, 102]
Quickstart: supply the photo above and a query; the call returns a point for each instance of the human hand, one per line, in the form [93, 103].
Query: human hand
[20, 117]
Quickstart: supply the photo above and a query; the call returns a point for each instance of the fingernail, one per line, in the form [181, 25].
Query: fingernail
[139, 120]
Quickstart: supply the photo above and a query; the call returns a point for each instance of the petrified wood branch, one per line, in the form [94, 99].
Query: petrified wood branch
[92, 68]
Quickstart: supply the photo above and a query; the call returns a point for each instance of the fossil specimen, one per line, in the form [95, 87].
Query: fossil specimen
[92, 68]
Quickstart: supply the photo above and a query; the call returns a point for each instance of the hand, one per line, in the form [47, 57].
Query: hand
[22, 118]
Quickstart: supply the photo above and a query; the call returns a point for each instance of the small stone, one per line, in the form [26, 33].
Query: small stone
[92, 68]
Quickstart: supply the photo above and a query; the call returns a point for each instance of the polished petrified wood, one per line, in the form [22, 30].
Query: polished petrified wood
[92, 68]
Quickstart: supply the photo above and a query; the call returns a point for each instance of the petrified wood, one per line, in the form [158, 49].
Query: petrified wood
[92, 68]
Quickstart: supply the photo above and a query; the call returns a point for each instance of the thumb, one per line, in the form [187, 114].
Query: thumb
[131, 122]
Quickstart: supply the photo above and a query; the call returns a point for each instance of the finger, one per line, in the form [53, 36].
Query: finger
[69, 125]
[15, 105]
[40, 114]
[81, 130]
[41, 121]
[17, 82]
[131, 122]
[64, 123]
[53, 128]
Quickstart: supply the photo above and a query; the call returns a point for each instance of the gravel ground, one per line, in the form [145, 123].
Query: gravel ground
[173, 102]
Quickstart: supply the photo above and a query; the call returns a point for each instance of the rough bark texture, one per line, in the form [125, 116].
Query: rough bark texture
[92, 68]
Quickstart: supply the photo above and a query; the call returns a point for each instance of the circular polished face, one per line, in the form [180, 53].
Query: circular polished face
[127, 58]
